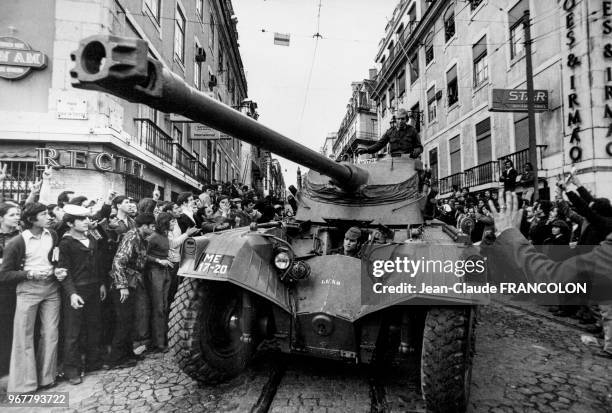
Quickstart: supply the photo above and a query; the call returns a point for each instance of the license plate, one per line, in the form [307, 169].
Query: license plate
[215, 264]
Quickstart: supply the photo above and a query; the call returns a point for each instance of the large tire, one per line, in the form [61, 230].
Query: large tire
[446, 358]
[204, 334]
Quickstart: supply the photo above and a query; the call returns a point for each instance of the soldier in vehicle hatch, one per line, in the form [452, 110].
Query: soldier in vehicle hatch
[402, 138]
[351, 244]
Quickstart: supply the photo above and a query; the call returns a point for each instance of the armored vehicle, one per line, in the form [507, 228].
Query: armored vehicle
[280, 284]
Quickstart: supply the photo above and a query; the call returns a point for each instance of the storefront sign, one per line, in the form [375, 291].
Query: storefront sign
[515, 100]
[79, 159]
[573, 62]
[17, 58]
[201, 132]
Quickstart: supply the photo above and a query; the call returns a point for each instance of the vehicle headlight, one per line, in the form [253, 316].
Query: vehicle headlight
[282, 260]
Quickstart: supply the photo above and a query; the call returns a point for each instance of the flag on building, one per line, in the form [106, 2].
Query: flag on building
[281, 39]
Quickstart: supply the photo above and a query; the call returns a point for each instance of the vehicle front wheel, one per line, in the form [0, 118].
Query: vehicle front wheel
[446, 358]
[205, 330]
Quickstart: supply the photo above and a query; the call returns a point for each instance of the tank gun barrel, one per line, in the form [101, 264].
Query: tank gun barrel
[121, 66]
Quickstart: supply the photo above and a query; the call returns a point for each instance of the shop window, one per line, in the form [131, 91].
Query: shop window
[137, 188]
[20, 176]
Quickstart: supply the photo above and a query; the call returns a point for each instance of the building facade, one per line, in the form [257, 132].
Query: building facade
[95, 141]
[442, 59]
[360, 123]
[328, 146]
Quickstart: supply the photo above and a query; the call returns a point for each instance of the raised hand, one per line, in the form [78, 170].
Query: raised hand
[47, 172]
[509, 215]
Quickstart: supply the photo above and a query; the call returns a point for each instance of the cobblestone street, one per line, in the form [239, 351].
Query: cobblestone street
[523, 363]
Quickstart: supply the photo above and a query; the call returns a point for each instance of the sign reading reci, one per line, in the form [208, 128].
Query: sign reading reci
[515, 100]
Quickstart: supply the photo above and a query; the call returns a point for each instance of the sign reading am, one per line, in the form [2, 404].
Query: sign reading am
[515, 100]
[17, 58]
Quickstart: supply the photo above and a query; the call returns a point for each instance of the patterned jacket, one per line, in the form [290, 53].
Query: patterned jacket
[129, 262]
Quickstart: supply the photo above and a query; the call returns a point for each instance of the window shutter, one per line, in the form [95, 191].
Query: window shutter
[431, 94]
[480, 48]
[451, 74]
[483, 127]
[517, 12]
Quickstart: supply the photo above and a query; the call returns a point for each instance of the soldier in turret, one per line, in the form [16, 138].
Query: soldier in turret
[351, 244]
[402, 138]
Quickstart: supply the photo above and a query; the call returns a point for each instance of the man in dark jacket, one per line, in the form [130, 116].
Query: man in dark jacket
[508, 176]
[402, 138]
[83, 290]
[127, 274]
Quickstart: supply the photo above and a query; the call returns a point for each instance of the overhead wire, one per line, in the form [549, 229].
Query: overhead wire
[316, 36]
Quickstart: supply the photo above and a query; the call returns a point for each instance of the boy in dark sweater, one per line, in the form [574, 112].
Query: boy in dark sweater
[83, 290]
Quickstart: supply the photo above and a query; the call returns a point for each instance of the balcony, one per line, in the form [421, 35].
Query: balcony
[185, 161]
[201, 172]
[488, 172]
[520, 158]
[154, 139]
[484, 173]
[445, 185]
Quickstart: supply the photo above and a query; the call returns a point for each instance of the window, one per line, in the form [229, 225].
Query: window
[483, 141]
[429, 50]
[413, 18]
[154, 6]
[220, 61]
[401, 84]
[179, 35]
[414, 67]
[474, 4]
[227, 178]
[432, 104]
[449, 24]
[517, 30]
[415, 113]
[454, 148]
[452, 89]
[383, 104]
[200, 9]
[391, 93]
[433, 163]
[211, 38]
[197, 69]
[177, 135]
[481, 66]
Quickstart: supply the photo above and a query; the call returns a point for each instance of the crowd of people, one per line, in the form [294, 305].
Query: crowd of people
[93, 280]
[571, 224]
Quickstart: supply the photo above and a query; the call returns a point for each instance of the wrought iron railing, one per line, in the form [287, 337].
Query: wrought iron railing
[201, 172]
[484, 173]
[446, 184]
[185, 161]
[20, 176]
[520, 158]
[154, 139]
